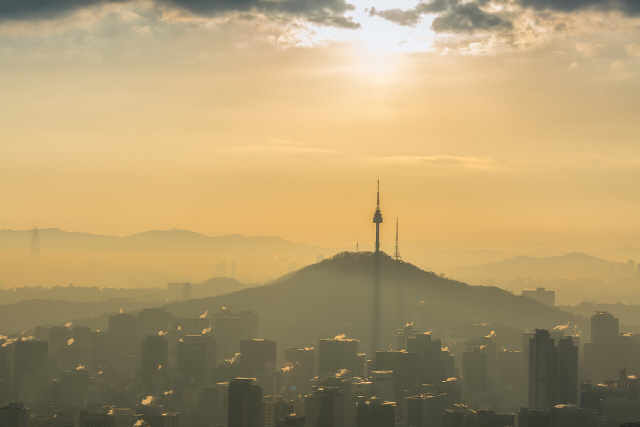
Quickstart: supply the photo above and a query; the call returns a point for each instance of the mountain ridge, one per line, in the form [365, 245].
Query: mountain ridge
[569, 265]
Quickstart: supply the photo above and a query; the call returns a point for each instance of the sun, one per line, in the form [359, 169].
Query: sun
[379, 34]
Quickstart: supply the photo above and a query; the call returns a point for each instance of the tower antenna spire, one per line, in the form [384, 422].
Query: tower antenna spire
[357, 245]
[396, 254]
[375, 330]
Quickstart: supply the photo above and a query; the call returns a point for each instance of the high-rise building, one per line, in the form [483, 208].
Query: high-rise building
[125, 331]
[337, 354]
[489, 418]
[232, 270]
[154, 357]
[332, 403]
[375, 413]
[488, 345]
[29, 370]
[604, 324]
[101, 349]
[72, 356]
[408, 331]
[383, 385]
[245, 404]
[231, 328]
[256, 357]
[452, 388]
[511, 370]
[618, 410]
[301, 361]
[258, 360]
[329, 407]
[34, 249]
[293, 420]
[96, 420]
[526, 337]
[216, 401]
[459, 416]
[448, 364]
[531, 418]
[5, 373]
[430, 351]
[474, 372]
[72, 381]
[220, 270]
[14, 415]
[154, 320]
[275, 408]
[543, 371]
[424, 410]
[58, 337]
[606, 356]
[567, 353]
[196, 358]
[573, 416]
[404, 366]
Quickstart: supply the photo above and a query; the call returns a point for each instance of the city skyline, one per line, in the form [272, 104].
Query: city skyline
[186, 232]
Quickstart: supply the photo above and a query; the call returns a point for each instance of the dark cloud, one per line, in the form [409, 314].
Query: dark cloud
[468, 18]
[407, 18]
[629, 7]
[37, 9]
[453, 16]
[325, 12]
[457, 17]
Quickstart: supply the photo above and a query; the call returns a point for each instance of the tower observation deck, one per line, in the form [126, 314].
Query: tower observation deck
[377, 220]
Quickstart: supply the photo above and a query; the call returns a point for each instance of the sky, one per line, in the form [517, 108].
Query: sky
[492, 124]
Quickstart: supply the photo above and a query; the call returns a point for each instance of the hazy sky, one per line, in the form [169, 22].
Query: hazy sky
[491, 123]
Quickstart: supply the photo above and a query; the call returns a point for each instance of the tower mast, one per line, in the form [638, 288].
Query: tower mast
[377, 220]
[396, 254]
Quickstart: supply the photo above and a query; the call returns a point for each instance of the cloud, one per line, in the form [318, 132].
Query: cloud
[41, 9]
[618, 65]
[468, 18]
[453, 16]
[440, 161]
[589, 49]
[323, 12]
[633, 50]
[628, 7]
[407, 18]
[279, 146]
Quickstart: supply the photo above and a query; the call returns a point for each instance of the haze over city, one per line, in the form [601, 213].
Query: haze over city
[319, 213]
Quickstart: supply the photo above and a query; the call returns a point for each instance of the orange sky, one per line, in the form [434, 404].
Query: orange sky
[513, 133]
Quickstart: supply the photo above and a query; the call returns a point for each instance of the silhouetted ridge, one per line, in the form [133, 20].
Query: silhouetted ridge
[571, 265]
[334, 297]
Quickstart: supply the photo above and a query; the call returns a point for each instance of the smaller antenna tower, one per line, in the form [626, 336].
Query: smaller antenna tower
[357, 245]
[396, 253]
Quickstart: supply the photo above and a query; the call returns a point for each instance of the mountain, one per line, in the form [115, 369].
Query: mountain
[153, 240]
[334, 297]
[570, 266]
[147, 259]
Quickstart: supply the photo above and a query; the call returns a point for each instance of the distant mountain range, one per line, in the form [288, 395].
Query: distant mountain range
[570, 266]
[154, 240]
[151, 258]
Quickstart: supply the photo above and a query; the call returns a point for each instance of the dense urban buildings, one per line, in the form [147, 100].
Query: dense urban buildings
[214, 369]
